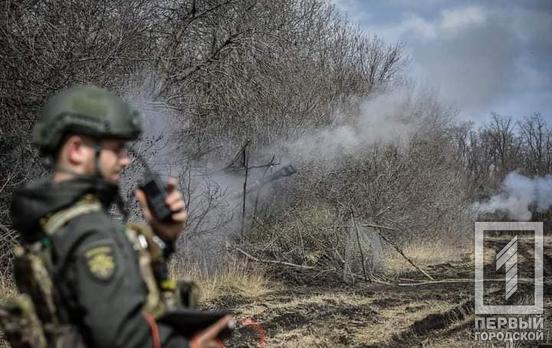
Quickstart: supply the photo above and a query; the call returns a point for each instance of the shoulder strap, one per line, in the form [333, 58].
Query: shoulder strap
[88, 204]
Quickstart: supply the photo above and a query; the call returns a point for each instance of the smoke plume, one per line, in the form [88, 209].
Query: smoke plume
[214, 194]
[386, 118]
[519, 195]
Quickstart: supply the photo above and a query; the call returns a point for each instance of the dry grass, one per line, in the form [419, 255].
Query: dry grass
[7, 291]
[7, 288]
[423, 254]
[237, 277]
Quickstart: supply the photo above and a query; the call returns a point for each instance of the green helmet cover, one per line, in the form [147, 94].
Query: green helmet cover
[85, 110]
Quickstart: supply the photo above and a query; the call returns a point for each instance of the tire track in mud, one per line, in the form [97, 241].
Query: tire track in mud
[421, 329]
[461, 317]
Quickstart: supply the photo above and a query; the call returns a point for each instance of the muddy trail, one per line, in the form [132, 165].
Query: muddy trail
[305, 311]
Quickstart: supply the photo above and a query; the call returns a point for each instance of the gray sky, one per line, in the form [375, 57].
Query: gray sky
[480, 56]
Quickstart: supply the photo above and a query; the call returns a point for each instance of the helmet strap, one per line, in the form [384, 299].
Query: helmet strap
[61, 169]
[119, 201]
[97, 153]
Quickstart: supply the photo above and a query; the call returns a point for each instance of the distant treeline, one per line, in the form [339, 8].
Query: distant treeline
[502, 145]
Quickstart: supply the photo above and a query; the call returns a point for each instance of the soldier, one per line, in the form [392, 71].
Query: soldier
[101, 272]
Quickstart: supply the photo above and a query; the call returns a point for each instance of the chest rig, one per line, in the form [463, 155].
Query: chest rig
[162, 290]
[32, 318]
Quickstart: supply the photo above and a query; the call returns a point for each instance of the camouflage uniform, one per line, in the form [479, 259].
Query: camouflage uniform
[102, 271]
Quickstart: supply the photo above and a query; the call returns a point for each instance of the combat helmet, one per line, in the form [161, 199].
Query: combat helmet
[86, 110]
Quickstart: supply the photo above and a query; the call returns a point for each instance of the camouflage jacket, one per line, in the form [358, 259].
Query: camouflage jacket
[95, 266]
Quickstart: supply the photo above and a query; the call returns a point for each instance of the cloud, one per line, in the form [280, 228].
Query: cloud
[458, 19]
[467, 55]
[470, 63]
[533, 26]
[352, 8]
[414, 28]
[474, 55]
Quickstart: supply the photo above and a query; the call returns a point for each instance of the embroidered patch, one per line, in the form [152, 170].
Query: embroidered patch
[101, 261]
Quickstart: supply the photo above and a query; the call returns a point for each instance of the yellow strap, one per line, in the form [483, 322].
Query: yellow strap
[86, 205]
[154, 304]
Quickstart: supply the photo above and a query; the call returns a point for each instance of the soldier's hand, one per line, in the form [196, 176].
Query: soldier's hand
[175, 202]
[208, 337]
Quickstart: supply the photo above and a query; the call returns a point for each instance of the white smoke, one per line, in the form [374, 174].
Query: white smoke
[519, 194]
[158, 144]
[213, 194]
[209, 191]
[391, 117]
[386, 118]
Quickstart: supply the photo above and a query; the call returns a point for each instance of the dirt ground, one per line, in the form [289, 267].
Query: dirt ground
[319, 310]
[308, 310]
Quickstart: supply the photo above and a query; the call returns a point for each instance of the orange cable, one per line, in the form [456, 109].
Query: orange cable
[154, 330]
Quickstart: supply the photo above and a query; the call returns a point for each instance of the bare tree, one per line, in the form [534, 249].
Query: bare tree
[536, 138]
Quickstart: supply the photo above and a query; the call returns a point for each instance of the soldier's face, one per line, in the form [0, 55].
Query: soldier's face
[78, 155]
[113, 159]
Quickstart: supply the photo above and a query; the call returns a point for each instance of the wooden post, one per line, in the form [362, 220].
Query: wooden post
[246, 165]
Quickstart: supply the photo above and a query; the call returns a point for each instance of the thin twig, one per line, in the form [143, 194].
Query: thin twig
[453, 281]
[245, 164]
[6, 183]
[379, 226]
[372, 279]
[251, 257]
[369, 225]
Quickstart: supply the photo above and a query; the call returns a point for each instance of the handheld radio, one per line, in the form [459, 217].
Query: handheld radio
[155, 190]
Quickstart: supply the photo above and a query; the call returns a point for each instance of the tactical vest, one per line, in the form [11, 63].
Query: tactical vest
[32, 319]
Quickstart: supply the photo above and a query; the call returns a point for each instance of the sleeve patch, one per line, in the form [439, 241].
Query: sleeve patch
[100, 262]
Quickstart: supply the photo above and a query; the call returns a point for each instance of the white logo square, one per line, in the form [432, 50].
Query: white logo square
[511, 280]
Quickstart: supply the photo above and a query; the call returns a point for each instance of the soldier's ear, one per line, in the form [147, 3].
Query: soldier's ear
[76, 150]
